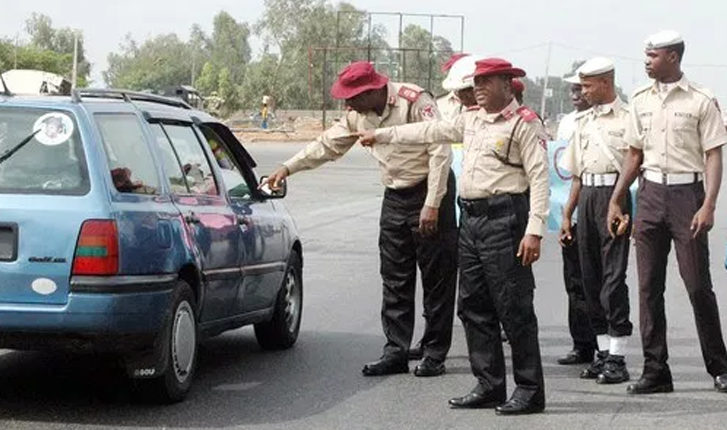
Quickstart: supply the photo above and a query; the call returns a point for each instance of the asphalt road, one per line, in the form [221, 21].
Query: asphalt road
[318, 384]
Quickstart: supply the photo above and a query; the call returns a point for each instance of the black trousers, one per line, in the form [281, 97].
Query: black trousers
[401, 249]
[579, 323]
[664, 215]
[603, 263]
[495, 288]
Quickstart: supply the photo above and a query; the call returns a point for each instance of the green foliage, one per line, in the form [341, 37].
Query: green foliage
[49, 49]
[154, 65]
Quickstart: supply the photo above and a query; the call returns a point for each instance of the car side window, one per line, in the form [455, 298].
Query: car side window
[195, 166]
[170, 162]
[129, 157]
[232, 176]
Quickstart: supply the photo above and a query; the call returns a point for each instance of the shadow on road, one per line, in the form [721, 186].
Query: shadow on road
[236, 384]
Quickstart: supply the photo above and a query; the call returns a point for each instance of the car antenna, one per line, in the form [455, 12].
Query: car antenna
[6, 90]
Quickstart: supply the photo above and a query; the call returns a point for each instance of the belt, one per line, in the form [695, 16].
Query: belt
[493, 207]
[671, 178]
[599, 180]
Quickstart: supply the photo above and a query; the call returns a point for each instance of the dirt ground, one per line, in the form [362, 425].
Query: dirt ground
[286, 127]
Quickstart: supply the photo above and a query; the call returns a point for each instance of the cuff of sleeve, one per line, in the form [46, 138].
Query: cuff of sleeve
[433, 201]
[382, 135]
[293, 166]
[715, 143]
[535, 226]
[636, 143]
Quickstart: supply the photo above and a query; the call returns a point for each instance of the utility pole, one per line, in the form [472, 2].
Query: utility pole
[74, 74]
[16, 51]
[545, 81]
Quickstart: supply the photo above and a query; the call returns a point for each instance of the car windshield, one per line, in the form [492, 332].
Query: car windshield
[52, 162]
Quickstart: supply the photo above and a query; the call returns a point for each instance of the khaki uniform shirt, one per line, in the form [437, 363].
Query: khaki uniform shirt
[402, 166]
[674, 125]
[598, 144]
[449, 106]
[567, 126]
[485, 136]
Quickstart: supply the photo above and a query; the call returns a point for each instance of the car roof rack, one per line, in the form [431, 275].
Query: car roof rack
[128, 96]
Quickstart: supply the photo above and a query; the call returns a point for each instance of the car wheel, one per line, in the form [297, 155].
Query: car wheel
[179, 351]
[281, 331]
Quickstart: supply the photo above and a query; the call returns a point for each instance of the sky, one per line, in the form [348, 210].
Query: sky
[518, 30]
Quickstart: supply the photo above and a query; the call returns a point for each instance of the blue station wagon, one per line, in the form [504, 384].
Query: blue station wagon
[132, 224]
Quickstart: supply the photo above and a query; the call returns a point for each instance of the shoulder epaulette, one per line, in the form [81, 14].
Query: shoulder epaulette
[526, 113]
[582, 113]
[701, 90]
[641, 89]
[409, 93]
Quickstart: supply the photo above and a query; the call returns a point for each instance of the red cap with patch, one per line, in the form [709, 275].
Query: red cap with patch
[453, 59]
[356, 78]
[497, 66]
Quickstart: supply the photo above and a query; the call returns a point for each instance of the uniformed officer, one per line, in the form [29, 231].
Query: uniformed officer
[676, 137]
[504, 200]
[594, 156]
[451, 104]
[417, 223]
[579, 325]
[461, 97]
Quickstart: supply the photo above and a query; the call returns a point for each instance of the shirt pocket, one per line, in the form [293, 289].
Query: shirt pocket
[684, 125]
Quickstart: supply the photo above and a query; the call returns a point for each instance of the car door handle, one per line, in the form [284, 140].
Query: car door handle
[192, 218]
[243, 220]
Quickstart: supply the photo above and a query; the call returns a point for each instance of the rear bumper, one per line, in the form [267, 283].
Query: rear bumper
[111, 313]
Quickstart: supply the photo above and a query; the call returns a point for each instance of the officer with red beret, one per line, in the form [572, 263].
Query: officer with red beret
[504, 199]
[417, 225]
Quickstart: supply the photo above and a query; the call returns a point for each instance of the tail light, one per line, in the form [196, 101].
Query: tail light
[97, 251]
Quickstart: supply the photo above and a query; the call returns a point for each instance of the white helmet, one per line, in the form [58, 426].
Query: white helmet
[460, 75]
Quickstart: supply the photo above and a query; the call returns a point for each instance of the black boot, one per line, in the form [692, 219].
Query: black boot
[650, 386]
[614, 371]
[385, 366]
[596, 367]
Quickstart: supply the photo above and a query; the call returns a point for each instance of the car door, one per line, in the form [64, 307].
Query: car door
[261, 228]
[210, 221]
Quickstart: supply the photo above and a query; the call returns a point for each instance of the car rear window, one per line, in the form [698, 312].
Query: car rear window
[50, 162]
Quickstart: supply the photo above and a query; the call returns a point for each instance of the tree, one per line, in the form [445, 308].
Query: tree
[156, 64]
[295, 27]
[43, 37]
[229, 46]
[422, 67]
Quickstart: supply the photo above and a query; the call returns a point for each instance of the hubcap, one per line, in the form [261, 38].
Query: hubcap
[184, 339]
[292, 301]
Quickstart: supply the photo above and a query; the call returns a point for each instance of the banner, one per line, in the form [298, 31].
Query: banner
[560, 183]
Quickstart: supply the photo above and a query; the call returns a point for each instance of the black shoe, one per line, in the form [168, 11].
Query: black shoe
[577, 356]
[385, 366]
[596, 366]
[650, 386]
[517, 406]
[417, 352]
[720, 383]
[476, 400]
[429, 367]
[614, 371]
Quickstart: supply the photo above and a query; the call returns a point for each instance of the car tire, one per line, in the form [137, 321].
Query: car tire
[179, 351]
[281, 331]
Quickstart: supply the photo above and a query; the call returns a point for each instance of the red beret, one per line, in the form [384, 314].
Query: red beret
[497, 66]
[453, 59]
[356, 78]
